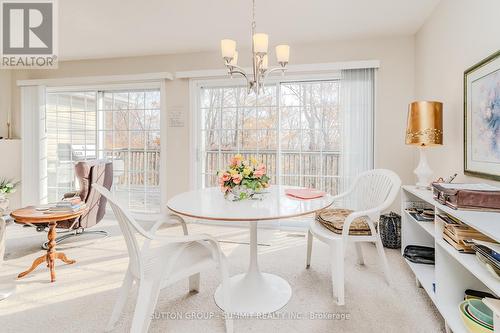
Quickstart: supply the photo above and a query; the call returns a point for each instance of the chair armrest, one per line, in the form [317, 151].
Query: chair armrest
[342, 195]
[214, 243]
[166, 219]
[494, 305]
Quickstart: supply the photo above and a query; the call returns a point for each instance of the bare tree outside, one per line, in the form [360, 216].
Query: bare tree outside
[294, 126]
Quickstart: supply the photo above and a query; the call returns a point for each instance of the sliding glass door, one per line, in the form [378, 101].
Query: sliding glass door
[122, 126]
[293, 127]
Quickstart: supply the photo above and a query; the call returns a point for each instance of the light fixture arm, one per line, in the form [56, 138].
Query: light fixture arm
[282, 69]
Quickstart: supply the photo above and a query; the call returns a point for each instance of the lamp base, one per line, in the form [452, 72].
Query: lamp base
[423, 171]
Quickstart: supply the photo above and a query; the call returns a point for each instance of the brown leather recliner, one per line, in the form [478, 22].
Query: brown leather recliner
[88, 173]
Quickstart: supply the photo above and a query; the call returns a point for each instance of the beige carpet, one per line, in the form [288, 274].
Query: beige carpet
[82, 298]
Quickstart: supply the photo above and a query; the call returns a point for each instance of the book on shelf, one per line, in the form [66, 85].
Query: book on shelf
[448, 219]
[421, 215]
[460, 235]
[460, 245]
[493, 247]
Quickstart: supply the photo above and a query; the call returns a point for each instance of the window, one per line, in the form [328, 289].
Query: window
[293, 127]
[122, 126]
[231, 123]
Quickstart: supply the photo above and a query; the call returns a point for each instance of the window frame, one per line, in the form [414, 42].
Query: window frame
[120, 87]
[195, 110]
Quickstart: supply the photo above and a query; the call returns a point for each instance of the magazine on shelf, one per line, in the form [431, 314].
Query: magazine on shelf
[73, 208]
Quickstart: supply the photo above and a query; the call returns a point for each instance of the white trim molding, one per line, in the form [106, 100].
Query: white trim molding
[303, 68]
[93, 80]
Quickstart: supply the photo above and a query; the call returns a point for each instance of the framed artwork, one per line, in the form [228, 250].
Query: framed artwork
[482, 119]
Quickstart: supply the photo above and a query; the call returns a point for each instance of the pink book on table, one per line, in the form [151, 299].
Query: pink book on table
[305, 193]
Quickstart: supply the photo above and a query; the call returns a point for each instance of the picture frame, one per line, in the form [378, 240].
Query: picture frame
[482, 119]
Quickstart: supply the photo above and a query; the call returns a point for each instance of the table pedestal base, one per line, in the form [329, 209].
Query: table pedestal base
[255, 293]
[50, 257]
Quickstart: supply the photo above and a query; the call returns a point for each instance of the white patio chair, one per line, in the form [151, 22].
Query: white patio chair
[161, 261]
[371, 193]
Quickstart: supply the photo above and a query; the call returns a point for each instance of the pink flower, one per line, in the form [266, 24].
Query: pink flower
[237, 178]
[225, 177]
[259, 173]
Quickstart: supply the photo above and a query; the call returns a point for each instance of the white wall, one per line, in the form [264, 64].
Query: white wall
[5, 98]
[10, 167]
[459, 34]
[395, 88]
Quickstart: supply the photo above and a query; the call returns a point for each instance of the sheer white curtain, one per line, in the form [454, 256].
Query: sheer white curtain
[34, 146]
[357, 99]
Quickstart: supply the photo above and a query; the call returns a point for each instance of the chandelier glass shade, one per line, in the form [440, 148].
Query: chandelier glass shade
[260, 59]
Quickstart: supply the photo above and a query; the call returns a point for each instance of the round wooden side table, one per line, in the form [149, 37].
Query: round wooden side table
[29, 215]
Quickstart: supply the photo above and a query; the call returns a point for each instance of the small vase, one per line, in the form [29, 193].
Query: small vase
[239, 193]
[4, 204]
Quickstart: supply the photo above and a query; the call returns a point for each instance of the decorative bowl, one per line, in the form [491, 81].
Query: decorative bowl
[477, 320]
[472, 325]
[479, 310]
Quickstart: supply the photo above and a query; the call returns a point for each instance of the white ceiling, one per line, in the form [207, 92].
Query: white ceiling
[115, 28]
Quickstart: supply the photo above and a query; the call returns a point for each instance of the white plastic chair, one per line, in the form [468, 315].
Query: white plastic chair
[6, 289]
[371, 193]
[162, 261]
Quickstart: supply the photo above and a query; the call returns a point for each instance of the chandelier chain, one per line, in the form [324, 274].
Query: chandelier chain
[253, 17]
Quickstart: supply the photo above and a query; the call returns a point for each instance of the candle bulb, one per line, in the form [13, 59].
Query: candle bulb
[228, 48]
[283, 54]
[234, 61]
[265, 62]
[260, 43]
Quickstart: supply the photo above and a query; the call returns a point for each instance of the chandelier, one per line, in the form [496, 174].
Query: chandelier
[260, 62]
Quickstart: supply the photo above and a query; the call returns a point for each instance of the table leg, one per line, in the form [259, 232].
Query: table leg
[253, 292]
[51, 251]
[50, 257]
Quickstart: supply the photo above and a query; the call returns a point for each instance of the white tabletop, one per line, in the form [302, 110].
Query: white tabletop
[210, 204]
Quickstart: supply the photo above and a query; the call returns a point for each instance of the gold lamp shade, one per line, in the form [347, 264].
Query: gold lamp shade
[425, 124]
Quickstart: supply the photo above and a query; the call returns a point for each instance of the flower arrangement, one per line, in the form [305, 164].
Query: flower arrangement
[243, 178]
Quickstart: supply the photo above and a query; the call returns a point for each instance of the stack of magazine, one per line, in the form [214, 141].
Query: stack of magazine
[488, 254]
[73, 204]
[460, 235]
[421, 215]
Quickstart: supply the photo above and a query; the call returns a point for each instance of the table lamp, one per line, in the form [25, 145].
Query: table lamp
[424, 129]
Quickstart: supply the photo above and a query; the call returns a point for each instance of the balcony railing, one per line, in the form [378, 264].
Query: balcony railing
[310, 169]
[143, 169]
[313, 169]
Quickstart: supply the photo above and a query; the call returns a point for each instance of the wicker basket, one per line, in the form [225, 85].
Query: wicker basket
[390, 230]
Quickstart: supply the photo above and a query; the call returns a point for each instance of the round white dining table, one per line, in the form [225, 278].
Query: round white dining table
[252, 292]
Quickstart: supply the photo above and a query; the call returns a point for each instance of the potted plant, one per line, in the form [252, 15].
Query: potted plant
[243, 179]
[6, 187]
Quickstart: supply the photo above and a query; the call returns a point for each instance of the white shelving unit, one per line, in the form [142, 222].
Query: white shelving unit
[454, 272]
